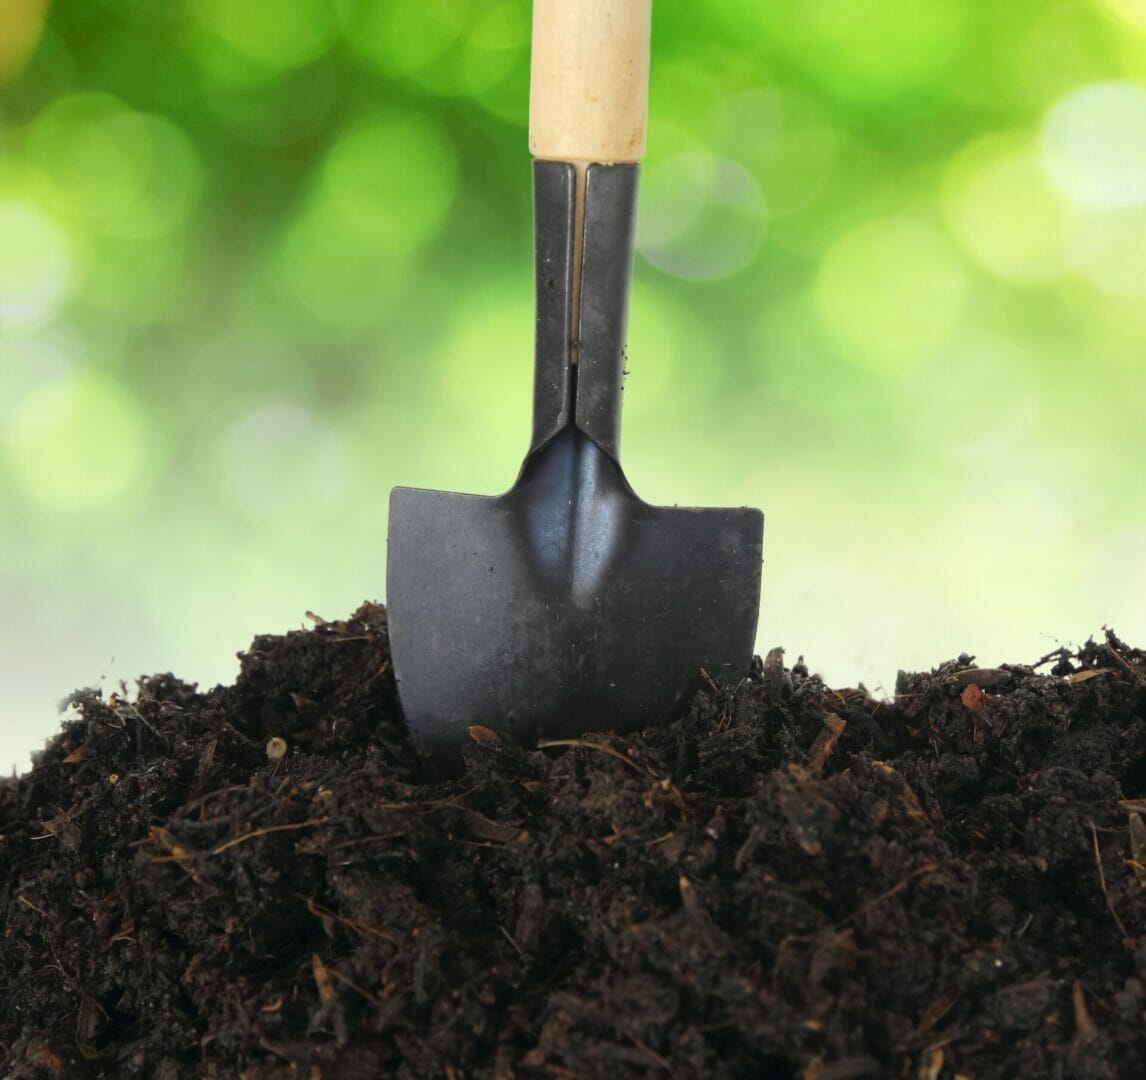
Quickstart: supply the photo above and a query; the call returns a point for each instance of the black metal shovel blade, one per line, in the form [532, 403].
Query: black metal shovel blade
[565, 605]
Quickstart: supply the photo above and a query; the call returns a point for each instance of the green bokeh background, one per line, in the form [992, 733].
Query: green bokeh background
[262, 260]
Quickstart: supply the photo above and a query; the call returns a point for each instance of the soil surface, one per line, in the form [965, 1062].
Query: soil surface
[792, 881]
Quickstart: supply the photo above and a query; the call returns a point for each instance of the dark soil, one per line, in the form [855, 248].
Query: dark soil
[792, 881]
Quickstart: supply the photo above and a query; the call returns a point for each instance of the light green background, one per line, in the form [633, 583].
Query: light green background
[261, 261]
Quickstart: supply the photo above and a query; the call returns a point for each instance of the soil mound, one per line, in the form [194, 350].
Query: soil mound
[791, 881]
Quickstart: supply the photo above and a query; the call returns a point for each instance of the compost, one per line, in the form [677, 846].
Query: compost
[788, 881]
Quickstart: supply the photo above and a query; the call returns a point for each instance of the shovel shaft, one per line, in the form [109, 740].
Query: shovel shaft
[603, 307]
[588, 113]
[582, 299]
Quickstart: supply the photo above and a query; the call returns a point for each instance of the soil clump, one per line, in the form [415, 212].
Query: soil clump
[790, 881]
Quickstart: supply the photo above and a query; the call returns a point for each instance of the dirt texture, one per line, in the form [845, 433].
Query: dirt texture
[791, 881]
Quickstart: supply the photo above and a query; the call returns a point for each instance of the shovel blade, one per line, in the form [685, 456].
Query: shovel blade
[564, 606]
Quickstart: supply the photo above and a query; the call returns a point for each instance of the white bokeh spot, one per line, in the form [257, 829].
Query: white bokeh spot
[1094, 145]
[281, 460]
[35, 265]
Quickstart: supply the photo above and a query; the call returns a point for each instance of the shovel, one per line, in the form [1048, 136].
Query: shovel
[567, 604]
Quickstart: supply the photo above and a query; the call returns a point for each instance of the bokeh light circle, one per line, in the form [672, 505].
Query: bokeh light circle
[889, 290]
[272, 115]
[35, 264]
[494, 46]
[393, 176]
[999, 205]
[33, 357]
[276, 35]
[484, 378]
[867, 50]
[1109, 249]
[382, 194]
[783, 140]
[673, 362]
[401, 38]
[23, 25]
[281, 459]
[132, 174]
[1094, 145]
[76, 441]
[1130, 12]
[702, 216]
[974, 398]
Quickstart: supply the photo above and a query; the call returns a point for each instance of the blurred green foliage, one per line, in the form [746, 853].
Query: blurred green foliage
[261, 260]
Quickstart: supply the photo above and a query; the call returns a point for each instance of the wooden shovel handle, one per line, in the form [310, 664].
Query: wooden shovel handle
[589, 85]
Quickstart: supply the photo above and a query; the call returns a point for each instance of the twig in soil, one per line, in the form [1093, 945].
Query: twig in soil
[935, 1012]
[654, 1057]
[586, 744]
[28, 903]
[773, 676]
[321, 913]
[563, 1073]
[347, 981]
[430, 806]
[266, 831]
[274, 1048]
[935, 1059]
[898, 887]
[754, 839]
[1137, 860]
[127, 707]
[1102, 880]
[849, 1068]
[378, 674]
[1133, 673]
[516, 948]
[834, 726]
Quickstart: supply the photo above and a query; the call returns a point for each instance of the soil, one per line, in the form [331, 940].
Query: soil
[791, 881]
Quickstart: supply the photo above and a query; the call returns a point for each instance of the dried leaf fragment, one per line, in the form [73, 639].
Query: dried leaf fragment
[482, 735]
[1089, 673]
[973, 698]
[1084, 1025]
[479, 827]
[322, 980]
[825, 743]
